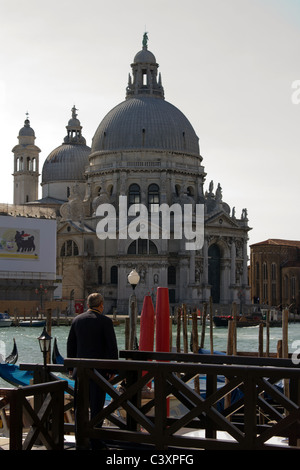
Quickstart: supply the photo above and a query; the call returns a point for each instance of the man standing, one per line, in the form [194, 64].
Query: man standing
[92, 336]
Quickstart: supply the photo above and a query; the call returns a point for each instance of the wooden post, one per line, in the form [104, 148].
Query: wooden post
[127, 332]
[285, 317]
[285, 347]
[203, 326]
[195, 346]
[268, 334]
[48, 329]
[279, 348]
[261, 340]
[178, 329]
[230, 333]
[185, 339]
[211, 339]
[195, 332]
[234, 335]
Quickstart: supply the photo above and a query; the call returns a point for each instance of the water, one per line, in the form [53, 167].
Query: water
[29, 351]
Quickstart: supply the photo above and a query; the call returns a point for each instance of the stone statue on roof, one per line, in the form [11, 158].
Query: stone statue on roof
[145, 40]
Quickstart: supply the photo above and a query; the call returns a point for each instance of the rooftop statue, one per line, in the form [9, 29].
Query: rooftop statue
[145, 40]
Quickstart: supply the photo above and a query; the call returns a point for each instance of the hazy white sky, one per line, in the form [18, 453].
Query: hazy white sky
[228, 65]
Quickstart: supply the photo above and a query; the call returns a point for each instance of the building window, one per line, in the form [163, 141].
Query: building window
[134, 197]
[274, 300]
[142, 247]
[153, 198]
[265, 272]
[273, 271]
[172, 275]
[114, 275]
[257, 271]
[172, 296]
[69, 248]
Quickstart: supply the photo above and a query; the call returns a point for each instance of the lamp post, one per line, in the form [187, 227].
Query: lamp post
[133, 279]
[45, 342]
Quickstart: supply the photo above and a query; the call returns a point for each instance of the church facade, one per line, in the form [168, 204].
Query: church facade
[146, 153]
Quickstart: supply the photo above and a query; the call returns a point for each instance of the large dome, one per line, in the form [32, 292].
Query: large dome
[144, 122]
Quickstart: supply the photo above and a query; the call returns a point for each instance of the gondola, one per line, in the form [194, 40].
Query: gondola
[13, 357]
[57, 358]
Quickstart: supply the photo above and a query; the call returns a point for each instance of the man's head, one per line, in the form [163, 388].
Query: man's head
[95, 300]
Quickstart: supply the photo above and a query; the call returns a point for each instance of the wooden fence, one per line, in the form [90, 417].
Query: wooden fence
[251, 399]
[261, 411]
[45, 418]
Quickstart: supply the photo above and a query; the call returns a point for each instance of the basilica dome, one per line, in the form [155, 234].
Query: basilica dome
[145, 120]
[68, 161]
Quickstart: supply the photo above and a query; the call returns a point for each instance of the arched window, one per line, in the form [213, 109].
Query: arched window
[134, 196]
[273, 271]
[69, 248]
[153, 198]
[114, 275]
[265, 272]
[142, 247]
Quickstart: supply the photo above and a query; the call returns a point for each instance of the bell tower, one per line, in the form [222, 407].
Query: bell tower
[26, 166]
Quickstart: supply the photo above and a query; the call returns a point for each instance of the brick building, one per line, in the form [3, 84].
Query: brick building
[275, 273]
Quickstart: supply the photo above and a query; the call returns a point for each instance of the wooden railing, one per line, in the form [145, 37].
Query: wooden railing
[249, 405]
[262, 410]
[45, 417]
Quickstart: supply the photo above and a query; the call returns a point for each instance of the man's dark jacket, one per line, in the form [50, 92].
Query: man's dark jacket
[92, 336]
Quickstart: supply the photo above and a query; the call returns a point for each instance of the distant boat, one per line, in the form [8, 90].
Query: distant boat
[32, 323]
[222, 320]
[5, 319]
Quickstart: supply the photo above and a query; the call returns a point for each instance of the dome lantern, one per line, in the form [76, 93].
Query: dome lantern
[144, 72]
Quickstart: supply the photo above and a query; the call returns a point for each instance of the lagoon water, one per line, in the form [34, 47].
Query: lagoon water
[29, 351]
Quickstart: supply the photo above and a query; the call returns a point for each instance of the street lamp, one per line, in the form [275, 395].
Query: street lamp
[45, 342]
[133, 279]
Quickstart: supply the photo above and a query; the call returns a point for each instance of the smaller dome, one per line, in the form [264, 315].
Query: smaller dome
[74, 122]
[26, 130]
[66, 163]
[144, 57]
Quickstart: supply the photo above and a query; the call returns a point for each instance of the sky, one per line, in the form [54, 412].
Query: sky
[231, 66]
